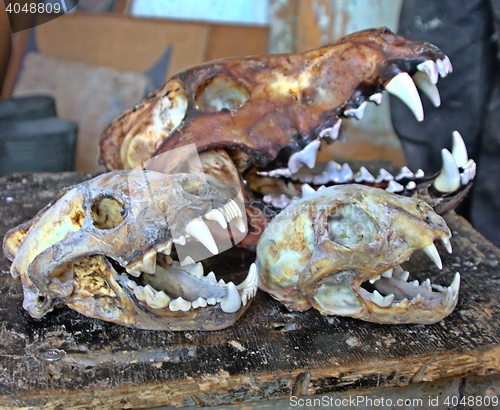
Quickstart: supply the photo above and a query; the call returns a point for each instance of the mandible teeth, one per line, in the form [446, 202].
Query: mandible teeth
[358, 113]
[306, 156]
[363, 175]
[459, 150]
[431, 69]
[382, 301]
[199, 230]
[160, 301]
[307, 190]
[376, 98]
[131, 284]
[427, 283]
[432, 252]
[179, 304]
[404, 275]
[417, 299]
[187, 261]
[211, 301]
[394, 187]
[210, 278]
[424, 84]
[410, 186]
[251, 282]
[217, 216]
[448, 179]
[232, 302]
[415, 283]
[405, 172]
[447, 244]
[199, 303]
[455, 285]
[166, 249]
[388, 273]
[403, 87]
[383, 175]
[196, 270]
[402, 304]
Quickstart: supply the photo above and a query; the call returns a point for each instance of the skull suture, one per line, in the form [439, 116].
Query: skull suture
[92, 244]
[321, 249]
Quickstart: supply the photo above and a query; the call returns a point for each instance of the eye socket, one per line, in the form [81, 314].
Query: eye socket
[349, 225]
[221, 93]
[192, 186]
[107, 213]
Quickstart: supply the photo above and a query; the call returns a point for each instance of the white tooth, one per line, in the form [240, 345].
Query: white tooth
[449, 178]
[439, 288]
[443, 71]
[410, 186]
[394, 187]
[228, 216]
[217, 216]
[417, 299]
[332, 132]
[387, 273]
[307, 156]
[383, 175]
[211, 278]
[187, 261]
[405, 172]
[240, 224]
[145, 294]
[432, 252]
[196, 270]
[165, 249]
[230, 211]
[381, 300]
[307, 190]
[425, 85]
[345, 174]
[431, 69]
[427, 283]
[364, 176]
[131, 284]
[281, 202]
[459, 150]
[179, 304]
[419, 174]
[455, 285]
[372, 281]
[403, 87]
[181, 240]
[211, 301]
[160, 301]
[199, 303]
[403, 276]
[358, 113]
[267, 199]
[448, 298]
[250, 285]
[376, 98]
[465, 177]
[221, 282]
[448, 65]
[198, 229]
[149, 261]
[447, 244]
[134, 270]
[232, 302]
[138, 292]
[415, 283]
[236, 208]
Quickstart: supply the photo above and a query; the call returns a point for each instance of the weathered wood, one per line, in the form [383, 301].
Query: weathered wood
[69, 361]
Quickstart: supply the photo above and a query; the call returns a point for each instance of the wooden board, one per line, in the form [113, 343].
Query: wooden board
[69, 361]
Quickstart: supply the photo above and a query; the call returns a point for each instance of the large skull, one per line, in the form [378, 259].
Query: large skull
[104, 248]
[339, 250]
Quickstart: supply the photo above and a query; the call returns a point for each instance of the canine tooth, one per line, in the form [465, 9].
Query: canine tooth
[443, 71]
[240, 224]
[448, 179]
[382, 301]
[431, 69]
[187, 261]
[199, 303]
[232, 302]
[432, 252]
[410, 186]
[376, 98]
[307, 190]
[211, 278]
[388, 273]
[181, 240]
[165, 249]
[447, 63]
[403, 87]
[419, 174]
[179, 304]
[211, 301]
[372, 281]
[131, 284]
[198, 229]
[455, 285]
[363, 175]
[447, 244]
[383, 175]
[394, 187]
[331, 132]
[359, 112]
[405, 172]
[160, 301]
[217, 216]
[307, 156]
[459, 150]
[424, 84]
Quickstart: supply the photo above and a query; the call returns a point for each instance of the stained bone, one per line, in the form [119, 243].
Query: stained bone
[403, 87]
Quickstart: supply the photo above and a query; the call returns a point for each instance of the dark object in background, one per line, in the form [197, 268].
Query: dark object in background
[33, 139]
[470, 98]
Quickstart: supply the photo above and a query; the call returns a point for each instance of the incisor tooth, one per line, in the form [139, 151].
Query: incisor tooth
[447, 244]
[425, 85]
[403, 87]
[217, 216]
[448, 179]
[240, 224]
[232, 302]
[198, 229]
[179, 304]
[431, 69]
[459, 150]
[432, 252]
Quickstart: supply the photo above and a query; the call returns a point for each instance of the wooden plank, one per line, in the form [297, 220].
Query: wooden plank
[69, 361]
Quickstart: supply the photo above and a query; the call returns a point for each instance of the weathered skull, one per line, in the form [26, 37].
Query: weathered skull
[103, 248]
[339, 249]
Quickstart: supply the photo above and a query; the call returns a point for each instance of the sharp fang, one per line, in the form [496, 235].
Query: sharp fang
[432, 252]
[443, 71]
[372, 281]
[331, 132]
[424, 83]
[364, 176]
[217, 216]
[394, 187]
[431, 69]
[232, 302]
[210, 278]
[376, 98]
[447, 244]
[240, 224]
[459, 150]
[382, 301]
[410, 186]
[199, 303]
[358, 113]
[455, 285]
[307, 190]
[449, 178]
[307, 156]
[403, 87]
[179, 304]
[405, 172]
[387, 273]
[383, 175]
[198, 229]
[187, 261]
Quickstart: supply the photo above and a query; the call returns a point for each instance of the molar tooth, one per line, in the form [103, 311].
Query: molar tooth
[432, 252]
[345, 174]
[211, 301]
[358, 113]
[419, 174]
[211, 278]
[306, 156]
[160, 301]
[221, 282]
[232, 302]
[417, 299]
[307, 190]
[404, 275]
[166, 249]
[134, 270]
[187, 261]
[363, 175]
[410, 186]
[217, 216]
[424, 83]
[403, 87]
[459, 150]
[332, 132]
[131, 284]
[372, 281]
[383, 175]
[198, 229]
[427, 283]
[394, 187]
[405, 172]
[240, 224]
[197, 270]
[181, 240]
[382, 301]
[376, 98]
[431, 69]
[415, 283]
[388, 273]
[179, 304]
[402, 304]
[447, 244]
[448, 179]
[199, 303]
[149, 262]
